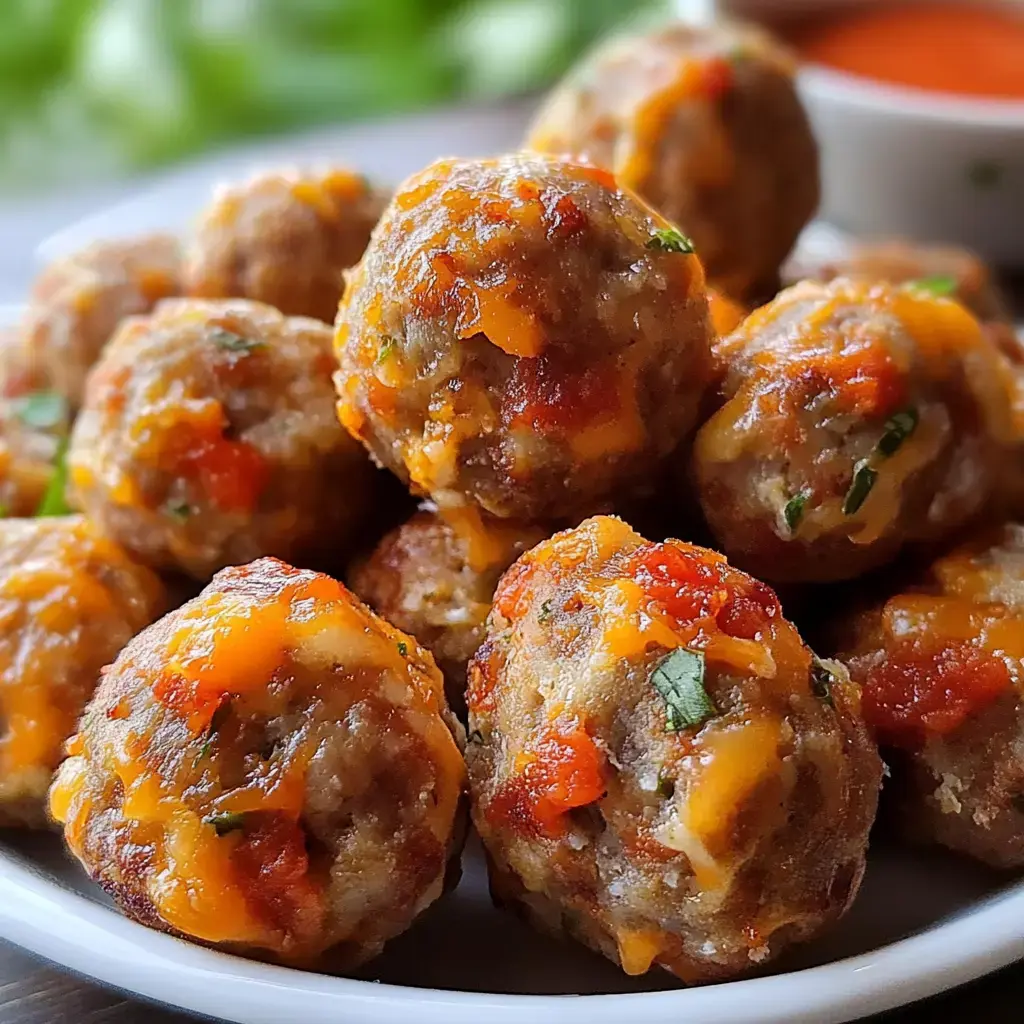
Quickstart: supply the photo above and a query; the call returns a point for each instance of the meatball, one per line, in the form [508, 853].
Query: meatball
[76, 304]
[271, 768]
[284, 239]
[940, 269]
[69, 601]
[658, 764]
[706, 125]
[942, 670]
[856, 418]
[434, 577]
[524, 335]
[208, 437]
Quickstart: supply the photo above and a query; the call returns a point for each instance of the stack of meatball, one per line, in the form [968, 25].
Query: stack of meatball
[538, 347]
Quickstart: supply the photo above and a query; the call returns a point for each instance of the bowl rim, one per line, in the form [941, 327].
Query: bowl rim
[847, 88]
[81, 934]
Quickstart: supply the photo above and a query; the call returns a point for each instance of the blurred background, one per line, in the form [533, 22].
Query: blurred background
[91, 89]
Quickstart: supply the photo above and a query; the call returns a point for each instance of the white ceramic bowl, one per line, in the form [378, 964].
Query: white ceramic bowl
[904, 162]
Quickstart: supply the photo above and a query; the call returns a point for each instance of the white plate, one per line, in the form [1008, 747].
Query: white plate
[923, 923]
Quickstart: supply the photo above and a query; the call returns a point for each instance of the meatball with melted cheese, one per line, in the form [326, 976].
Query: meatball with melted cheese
[523, 335]
[208, 438]
[284, 239]
[271, 769]
[658, 764]
[77, 303]
[942, 670]
[705, 124]
[855, 418]
[434, 577]
[69, 601]
[940, 269]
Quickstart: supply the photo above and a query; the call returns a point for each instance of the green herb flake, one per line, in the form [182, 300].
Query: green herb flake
[228, 821]
[794, 510]
[232, 342]
[670, 240]
[985, 174]
[41, 409]
[180, 510]
[546, 611]
[897, 429]
[387, 347]
[403, 648]
[5, 510]
[821, 681]
[864, 478]
[217, 719]
[939, 285]
[53, 502]
[679, 678]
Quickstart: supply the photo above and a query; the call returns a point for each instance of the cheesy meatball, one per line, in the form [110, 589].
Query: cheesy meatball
[522, 335]
[77, 303]
[271, 769]
[855, 418]
[434, 577]
[285, 239]
[942, 670]
[659, 766]
[208, 438]
[69, 601]
[940, 269]
[706, 125]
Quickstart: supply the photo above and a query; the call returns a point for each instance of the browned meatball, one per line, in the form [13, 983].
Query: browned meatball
[706, 125]
[284, 239]
[434, 577]
[271, 768]
[69, 601]
[856, 418]
[658, 764]
[76, 304]
[524, 335]
[940, 269]
[208, 437]
[942, 668]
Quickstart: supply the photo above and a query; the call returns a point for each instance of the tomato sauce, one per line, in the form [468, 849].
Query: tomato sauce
[967, 49]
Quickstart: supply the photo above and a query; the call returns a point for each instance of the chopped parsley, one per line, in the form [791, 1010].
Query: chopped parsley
[821, 681]
[4, 510]
[679, 678]
[864, 478]
[794, 510]
[217, 719]
[670, 240]
[403, 648]
[387, 347]
[897, 429]
[939, 285]
[232, 342]
[179, 510]
[41, 409]
[228, 821]
[545, 611]
[53, 502]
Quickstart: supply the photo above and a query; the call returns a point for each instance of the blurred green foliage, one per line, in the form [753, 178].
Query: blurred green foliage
[92, 87]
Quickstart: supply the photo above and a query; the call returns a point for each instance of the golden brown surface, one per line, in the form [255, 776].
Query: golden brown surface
[942, 667]
[856, 418]
[945, 269]
[705, 845]
[434, 577]
[69, 601]
[270, 768]
[77, 303]
[285, 239]
[523, 335]
[705, 124]
[208, 437]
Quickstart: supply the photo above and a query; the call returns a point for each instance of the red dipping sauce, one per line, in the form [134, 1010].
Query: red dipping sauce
[965, 49]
